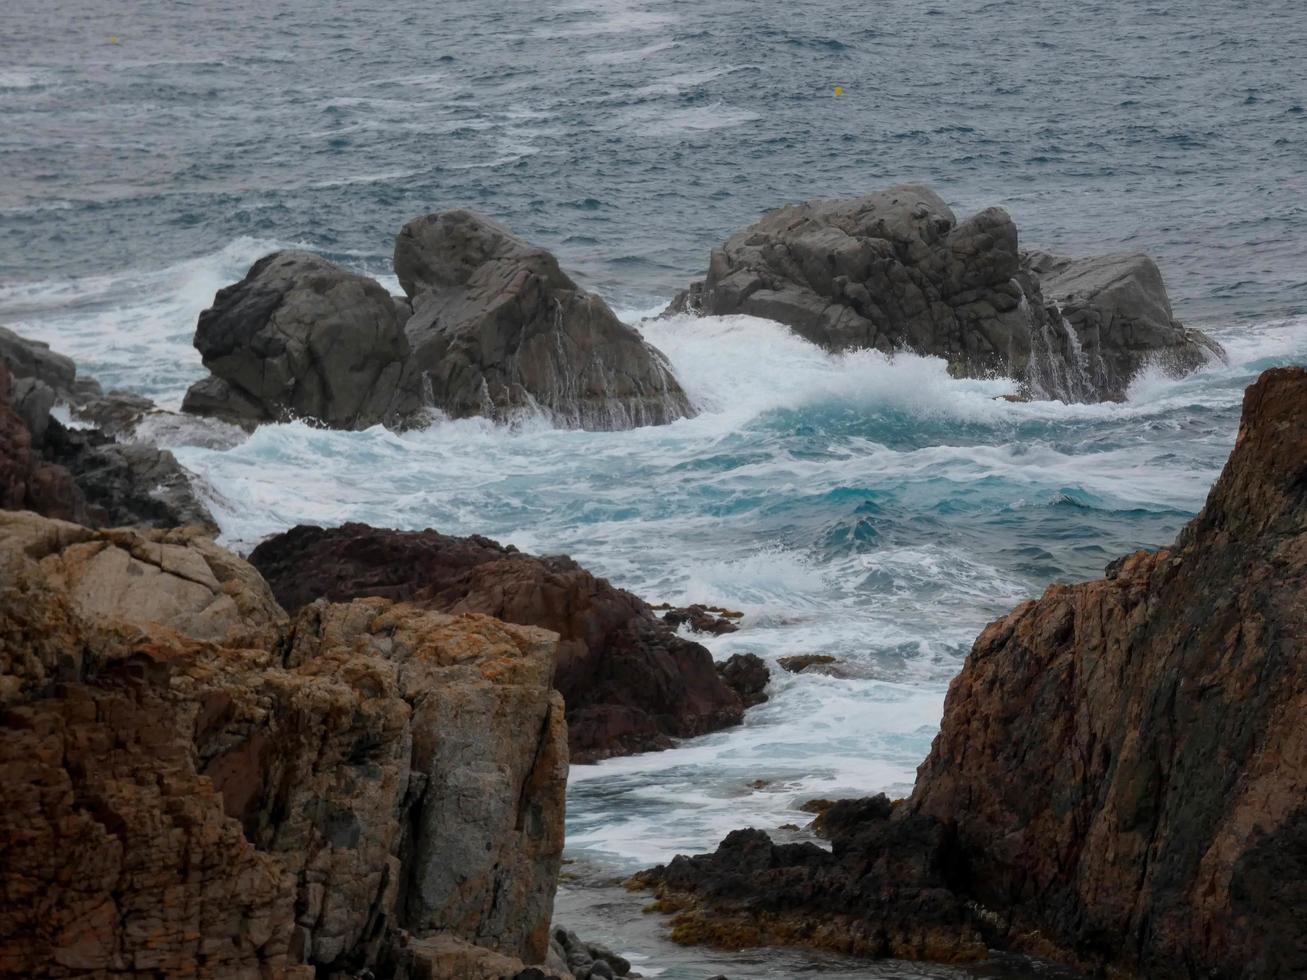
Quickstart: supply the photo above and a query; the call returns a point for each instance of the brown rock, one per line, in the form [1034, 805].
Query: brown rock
[747, 676]
[1120, 778]
[629, 682]
[700, 618]
[27, 480]
[288, 805]
[1125, 760]
[801, 662]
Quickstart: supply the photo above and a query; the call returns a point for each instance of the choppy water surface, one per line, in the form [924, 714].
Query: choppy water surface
[878, 512]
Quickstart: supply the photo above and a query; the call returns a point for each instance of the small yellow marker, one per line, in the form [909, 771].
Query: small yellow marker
[839, 90]
[113, 40]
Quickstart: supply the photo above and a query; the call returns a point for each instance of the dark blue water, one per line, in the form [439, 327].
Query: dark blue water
[631, 136]
[878, 512]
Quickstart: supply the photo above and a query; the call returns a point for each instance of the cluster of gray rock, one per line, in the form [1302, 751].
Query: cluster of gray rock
[490, 326]
[895, 271]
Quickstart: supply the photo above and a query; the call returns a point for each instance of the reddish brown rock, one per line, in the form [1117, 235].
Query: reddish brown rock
[188, 787]
[629, 682]
[1120, 777]
[27, 481]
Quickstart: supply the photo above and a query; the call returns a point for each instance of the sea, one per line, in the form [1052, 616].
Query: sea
[873, 510]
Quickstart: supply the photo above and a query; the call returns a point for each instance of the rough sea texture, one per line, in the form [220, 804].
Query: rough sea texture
[875, 511]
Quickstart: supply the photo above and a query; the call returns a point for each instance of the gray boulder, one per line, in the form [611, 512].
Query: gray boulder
[34, 359]
[302, 338]
[895, 270]
[1114, 315]
[499, 329]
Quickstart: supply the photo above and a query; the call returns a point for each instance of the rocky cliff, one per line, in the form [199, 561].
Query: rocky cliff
[1120, 777]
[896, 270]
[195, 785]
[629, 682]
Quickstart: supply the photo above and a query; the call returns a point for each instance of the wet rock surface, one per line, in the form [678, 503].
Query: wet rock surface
[302, 338]
[700, 618]
[83, 475]
[895, 270]
[629, 682]
[1120, 775]
[196, 786]
[490, 326]
[498, 329]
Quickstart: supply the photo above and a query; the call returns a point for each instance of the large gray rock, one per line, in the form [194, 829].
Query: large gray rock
[302, 338]
[895, 270]
[499, 329]
[1113, 311]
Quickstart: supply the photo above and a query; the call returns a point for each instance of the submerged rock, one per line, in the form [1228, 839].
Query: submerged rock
[302, 338]
[699, 618]
[629, 682]
[895, 270]
[1119, 780]
[747, 675]
[800, 662]
[498, 329]
[195, 787]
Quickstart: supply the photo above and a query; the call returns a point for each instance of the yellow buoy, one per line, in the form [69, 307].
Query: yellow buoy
[839, 90]
[113, 40]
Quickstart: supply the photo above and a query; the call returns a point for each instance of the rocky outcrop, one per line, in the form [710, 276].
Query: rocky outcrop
[629, 682]
[499, 329]
[1120, 777]
[28, 481]
[302, 338]
[896, 271]
[83, 474]
[194, 786]
[491, 327]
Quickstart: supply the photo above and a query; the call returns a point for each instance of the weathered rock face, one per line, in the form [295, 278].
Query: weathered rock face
[1120, 778]
[1157, 813]
[299, 337]
[499, 329]
[629, 682]
[27, 480]
[896, 271]
[127, 484]
[82, 475]
[193, 788]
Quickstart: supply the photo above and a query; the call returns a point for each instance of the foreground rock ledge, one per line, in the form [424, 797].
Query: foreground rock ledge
[629, 682]
[1120, 777]
[195, 786]
[895, 270]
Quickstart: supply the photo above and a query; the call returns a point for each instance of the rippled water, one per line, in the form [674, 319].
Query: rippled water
[878, 512]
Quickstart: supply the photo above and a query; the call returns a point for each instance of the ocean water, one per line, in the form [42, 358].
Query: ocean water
[876, 511]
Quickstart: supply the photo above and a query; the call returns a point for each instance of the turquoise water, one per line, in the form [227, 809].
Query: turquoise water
[876, 511]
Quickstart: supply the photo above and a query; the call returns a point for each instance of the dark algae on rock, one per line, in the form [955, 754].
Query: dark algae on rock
[1120, 778]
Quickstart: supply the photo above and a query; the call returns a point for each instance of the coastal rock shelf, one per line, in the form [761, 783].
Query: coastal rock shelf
[1119, 780]
[895, 270]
